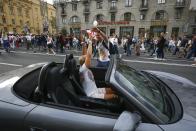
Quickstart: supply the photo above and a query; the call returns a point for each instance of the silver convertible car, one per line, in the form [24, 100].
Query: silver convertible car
[49, 97]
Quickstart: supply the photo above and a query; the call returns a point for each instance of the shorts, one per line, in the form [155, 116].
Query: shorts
[50, 46]
[100, 93]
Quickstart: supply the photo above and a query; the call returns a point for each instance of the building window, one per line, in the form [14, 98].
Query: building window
[161, 1]
[175, 31]
[74, 19]
[74, 7]
[128, 3]
[10, 2]
[13, 22]
[144, 3]
[178, 14]
[4, 20]
[64, 20]
[1, 9]
[127, 30]
[86, 18]
[141, 32]
[194, 31]
[99, 17]
[127, 16]
[179, 1]
[20, 11]
[142, 16]
[99, 4]
[21, 23]
[113, 17]
[159, 15]
[14, 30]
[113, 3]
[5, 29]
[27, 13]
[11, 10]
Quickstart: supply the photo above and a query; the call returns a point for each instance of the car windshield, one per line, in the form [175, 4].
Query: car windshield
[142, 85]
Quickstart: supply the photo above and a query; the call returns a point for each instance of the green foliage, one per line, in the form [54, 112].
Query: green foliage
[53, 22]
[64, 31]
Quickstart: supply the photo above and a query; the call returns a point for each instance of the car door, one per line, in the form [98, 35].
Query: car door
[51, 118]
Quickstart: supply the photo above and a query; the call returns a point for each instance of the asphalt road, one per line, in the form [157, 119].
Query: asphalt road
[22, 58]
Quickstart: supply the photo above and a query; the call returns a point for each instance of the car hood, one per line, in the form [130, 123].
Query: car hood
[184, 89]
[8, 79]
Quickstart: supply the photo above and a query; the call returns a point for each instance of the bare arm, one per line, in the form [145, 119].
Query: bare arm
[84, 48]
[88, 55]
[101, 33]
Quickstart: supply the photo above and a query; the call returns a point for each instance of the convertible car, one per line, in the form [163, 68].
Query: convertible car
[50, 97]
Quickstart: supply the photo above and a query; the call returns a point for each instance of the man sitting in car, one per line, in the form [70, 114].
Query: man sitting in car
[87, 78]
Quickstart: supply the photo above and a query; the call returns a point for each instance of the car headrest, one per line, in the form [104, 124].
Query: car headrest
[70, 64]
[43, 77]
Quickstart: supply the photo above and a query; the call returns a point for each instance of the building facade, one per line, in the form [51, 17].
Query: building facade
[123, 17]
[24, 16]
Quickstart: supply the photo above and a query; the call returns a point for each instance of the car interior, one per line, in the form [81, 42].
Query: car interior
[60, 84]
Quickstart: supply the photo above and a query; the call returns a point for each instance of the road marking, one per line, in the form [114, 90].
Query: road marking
[9, 64]
[166, 59]
[159, 63]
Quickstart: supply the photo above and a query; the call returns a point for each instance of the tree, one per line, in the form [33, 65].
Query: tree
[64, 31]
[53, 22]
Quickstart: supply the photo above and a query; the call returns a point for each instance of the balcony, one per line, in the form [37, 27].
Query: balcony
[86, 1]
[86, 11]
[143, 7]
[75, 24]
[180, 4]
[113, 9]
[161, 22]
[63, 14]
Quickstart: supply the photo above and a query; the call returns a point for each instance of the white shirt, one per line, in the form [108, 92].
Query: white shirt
[171, 43]
[28, 37]
[114, 41]
[179, 43]
[49, 41]
[87, 80]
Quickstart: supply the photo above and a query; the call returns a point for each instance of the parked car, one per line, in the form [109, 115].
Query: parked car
[49, 97]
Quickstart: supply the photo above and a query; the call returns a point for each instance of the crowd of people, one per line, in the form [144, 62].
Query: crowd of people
[180, 47]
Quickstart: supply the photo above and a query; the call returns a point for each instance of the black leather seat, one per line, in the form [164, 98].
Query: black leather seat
[50, 84]
[71, 65]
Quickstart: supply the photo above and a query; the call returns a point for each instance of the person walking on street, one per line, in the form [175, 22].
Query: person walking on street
[6, 44]
[50, 45]
[193, 48]
[128, 45]
[113, 44]
[28, 36]
[160, 46]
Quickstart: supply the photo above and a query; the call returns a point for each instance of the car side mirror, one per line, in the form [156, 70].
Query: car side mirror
[127, 121]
